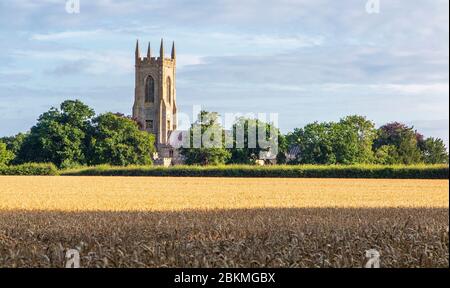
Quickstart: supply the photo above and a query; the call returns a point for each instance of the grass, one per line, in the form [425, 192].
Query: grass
[222, 222]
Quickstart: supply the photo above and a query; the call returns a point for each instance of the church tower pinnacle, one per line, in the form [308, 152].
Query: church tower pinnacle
[174, 56]
[161, 50]
[137, 53]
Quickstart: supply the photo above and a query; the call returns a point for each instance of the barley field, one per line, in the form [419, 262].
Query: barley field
[222, 222]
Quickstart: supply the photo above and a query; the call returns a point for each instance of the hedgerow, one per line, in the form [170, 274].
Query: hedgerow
[29, 169]
[276, 171]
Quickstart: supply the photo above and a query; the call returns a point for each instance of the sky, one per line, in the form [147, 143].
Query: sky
[315, 60]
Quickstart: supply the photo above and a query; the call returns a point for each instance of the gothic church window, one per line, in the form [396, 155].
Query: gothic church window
[169, 90]
[149, 90]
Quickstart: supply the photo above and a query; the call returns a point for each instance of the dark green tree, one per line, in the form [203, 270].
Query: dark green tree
[403, 138]
[117, 140]
[59, 136]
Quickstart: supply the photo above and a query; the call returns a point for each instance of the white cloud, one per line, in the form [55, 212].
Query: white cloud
[66, 35]
[442, 88]
[264, 41]
[432, 88]
[188, 59]
[105, 62]
[77, 35]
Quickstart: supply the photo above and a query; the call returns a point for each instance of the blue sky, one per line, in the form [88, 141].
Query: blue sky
[306, 60]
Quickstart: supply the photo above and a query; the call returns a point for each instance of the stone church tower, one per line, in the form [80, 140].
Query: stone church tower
[155, 101]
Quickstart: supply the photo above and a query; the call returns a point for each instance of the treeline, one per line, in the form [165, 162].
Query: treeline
[352, 140]
[73, 136]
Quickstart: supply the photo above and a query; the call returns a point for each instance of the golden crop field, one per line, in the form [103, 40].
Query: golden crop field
[222, 222]
[178, 193]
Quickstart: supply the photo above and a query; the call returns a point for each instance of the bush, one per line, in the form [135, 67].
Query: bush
[29, 169]
[299, 171]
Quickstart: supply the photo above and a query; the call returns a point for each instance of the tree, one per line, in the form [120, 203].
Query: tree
[14, 144]
[366, 134]
[386, 155]
[348, 141]
[403, 138]
[5, 155]
[345, 143]
[243, 153]
[315, 144]
[59, 136]
[117, 140]
[434, 151]
[135, 119]
[206, 137]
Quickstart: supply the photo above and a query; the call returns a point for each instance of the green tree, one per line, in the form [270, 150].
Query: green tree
[207, 140]
[315, 144]
[5, 155]
[347, 142]
[365, 135]
[386, 155]
[14, 144]
[434, 151]
[117, 140]
[325, 143]
[59, 136]
[247, 155]
[403, 138]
